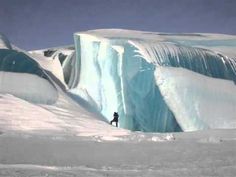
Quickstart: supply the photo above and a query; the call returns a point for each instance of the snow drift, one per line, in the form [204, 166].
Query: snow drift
[28, 87]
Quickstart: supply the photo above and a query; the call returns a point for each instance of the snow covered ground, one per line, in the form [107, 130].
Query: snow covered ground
[208, 153]
[44, 140]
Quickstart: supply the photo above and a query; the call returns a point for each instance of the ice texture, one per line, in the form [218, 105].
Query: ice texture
[116, 73]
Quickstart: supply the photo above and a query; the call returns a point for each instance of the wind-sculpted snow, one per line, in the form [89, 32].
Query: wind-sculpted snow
[116, 70]
[21, 76]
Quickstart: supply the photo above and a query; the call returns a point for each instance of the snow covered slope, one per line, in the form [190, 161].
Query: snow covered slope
[116, 70]
[29, 87]
[34, 101]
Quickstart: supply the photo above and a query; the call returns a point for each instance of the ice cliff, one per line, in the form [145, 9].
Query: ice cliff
[158, 82]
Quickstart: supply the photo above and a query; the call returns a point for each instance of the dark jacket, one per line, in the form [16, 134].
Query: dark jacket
[116, 116]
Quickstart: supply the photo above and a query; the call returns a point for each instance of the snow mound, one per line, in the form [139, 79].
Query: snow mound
[28, 87]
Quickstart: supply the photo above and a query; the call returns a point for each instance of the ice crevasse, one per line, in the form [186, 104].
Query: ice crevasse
[157, 82]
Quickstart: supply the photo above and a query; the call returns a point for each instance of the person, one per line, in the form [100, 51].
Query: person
[115, 119]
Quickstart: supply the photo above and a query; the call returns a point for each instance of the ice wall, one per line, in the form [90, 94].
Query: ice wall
[116, 73]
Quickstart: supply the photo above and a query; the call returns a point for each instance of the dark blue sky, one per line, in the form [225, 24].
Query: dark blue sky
[32, 24]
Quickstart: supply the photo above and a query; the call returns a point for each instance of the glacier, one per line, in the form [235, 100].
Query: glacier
[158, 82]
[122, 70]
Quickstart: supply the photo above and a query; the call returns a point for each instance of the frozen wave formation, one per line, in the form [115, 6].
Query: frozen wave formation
[157, 82]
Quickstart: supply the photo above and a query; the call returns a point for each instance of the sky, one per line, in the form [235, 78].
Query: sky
[35, 24]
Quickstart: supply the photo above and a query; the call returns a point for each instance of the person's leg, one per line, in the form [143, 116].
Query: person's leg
[116, 124]
[112, 121]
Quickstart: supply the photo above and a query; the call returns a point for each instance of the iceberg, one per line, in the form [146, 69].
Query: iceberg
[157, 82]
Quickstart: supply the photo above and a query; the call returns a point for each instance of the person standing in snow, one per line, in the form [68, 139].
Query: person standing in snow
[115, 119]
